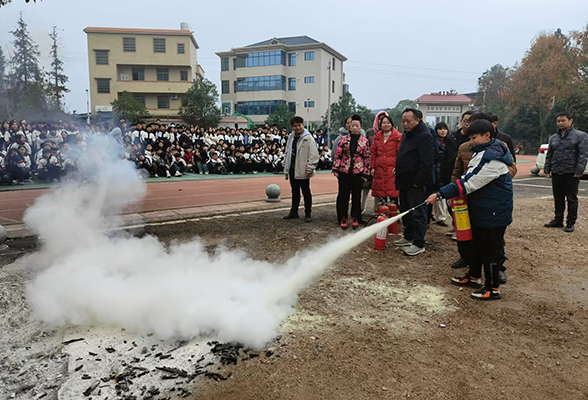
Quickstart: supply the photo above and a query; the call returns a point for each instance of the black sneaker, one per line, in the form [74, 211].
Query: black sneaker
[554, 224]
[487, 294]
[307, 218]
[467, 281]
[569, 228]
[501, 277]
[461, 263]
[291, 216]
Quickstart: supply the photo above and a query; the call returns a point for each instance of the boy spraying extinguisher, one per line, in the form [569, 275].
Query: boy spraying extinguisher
[488, 186]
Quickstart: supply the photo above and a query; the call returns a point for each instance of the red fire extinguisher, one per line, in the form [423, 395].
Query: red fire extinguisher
[382, 234]
[392, 212]
[461, 218]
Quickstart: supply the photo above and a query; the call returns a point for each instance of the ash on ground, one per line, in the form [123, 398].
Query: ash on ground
[97, 362]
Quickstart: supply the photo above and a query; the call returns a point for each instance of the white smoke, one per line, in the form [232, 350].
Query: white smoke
[181, 292]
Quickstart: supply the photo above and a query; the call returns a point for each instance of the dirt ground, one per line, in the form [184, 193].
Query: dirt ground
[380, 325]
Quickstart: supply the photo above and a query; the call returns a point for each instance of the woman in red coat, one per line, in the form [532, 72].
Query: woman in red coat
[383, 161]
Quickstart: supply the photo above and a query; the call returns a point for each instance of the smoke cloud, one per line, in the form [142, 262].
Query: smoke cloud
[89, 276]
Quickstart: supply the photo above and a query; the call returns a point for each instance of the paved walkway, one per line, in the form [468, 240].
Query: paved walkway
[185, 199]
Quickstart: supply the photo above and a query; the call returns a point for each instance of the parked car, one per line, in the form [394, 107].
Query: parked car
[540, 161]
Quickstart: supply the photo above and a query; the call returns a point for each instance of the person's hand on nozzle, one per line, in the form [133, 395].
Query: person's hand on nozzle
[433, 198]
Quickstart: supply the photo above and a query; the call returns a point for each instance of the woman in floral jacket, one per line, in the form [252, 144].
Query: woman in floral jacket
[351, 166]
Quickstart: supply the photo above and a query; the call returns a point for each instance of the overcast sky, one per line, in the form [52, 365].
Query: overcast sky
[396, 49]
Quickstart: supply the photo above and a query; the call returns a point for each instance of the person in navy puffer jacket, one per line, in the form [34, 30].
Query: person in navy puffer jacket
[488, 186]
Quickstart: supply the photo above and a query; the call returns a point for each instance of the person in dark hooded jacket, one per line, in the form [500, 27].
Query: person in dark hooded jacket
[488, 186]
[414, 165]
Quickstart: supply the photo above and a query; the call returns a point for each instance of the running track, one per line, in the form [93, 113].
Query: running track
[186, 194]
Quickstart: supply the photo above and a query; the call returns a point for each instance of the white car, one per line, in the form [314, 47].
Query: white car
[540, 161]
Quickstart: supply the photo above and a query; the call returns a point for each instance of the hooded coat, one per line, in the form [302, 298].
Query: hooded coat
[383, 160]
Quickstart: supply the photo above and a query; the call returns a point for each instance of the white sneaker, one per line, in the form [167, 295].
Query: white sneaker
[206, 173]
[167, 174]
[450, 233]
[402, 243]
[454, 237]
[413, 250]
[178, 173]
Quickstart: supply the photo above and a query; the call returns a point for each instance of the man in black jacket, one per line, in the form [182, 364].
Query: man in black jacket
[565, 162]
[452, 143]
[413, 171]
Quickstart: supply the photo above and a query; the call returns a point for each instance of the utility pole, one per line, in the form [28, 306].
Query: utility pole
[329, 106]
[88, 106]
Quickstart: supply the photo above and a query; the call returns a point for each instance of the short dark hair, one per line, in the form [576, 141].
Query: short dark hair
[493, 117]
[296, 120]
[480, 127]
[356, 117]
[477, 116]
[441, 125]
[468, 112]
[564, 114]
[418, 114]
[382, 118]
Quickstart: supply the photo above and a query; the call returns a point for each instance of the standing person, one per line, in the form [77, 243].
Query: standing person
[383, 155]
[565, 163]
[299, 166]
[413, 170]
[440, 212]
[351, 165]
[344, 131]
[367, 185]
[488, 185]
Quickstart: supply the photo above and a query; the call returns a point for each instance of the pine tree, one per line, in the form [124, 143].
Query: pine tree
[57, 79]
[6, 2]
[2, 70]
[24, 62]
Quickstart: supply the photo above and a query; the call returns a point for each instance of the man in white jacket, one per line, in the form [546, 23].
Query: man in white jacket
[299, 166]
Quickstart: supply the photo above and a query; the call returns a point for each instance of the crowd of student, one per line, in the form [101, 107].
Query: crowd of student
[48, 151]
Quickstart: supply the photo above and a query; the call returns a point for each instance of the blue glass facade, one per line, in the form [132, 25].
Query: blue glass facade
[258, 107]
[261, 59]
[260, 83]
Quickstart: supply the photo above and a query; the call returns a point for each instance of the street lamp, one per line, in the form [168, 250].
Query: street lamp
[308, 113]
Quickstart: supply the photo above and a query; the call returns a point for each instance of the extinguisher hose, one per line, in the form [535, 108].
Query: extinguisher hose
[408, 211]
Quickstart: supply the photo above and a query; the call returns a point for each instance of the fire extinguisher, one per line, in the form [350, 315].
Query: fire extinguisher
[382, 234]
[461, 218]
[392, 212]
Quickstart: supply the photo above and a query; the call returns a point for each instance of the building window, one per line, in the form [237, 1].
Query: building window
[291, 83]
[103, 85]
[258, 107]
[139, 98]
[225, 64]
[309, 79]
[225, 85]
[261, 59]
[183, 75]
[333, 64]
[345, 88]
[158, 45]
[309, 104]
[260, 83]
[138, 74]
[292, 59]
[129, 44]
[162, 74]
[309, 56]
[292, 107]
[162, 101]
[101, 57]
[181, 48]
[333, 85]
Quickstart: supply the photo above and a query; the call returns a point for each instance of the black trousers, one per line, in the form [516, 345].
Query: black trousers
[298, 185]
[488, 253]
[565, 187]
[349, 185]
[415, 223]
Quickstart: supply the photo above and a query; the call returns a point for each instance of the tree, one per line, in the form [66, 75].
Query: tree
[128, 108]
[281, 117]
[396, 112]
[199, 104]
[57, 79]
[24, 62]
[493, 83]
[6, 2]
[341, 110]
[2, 70]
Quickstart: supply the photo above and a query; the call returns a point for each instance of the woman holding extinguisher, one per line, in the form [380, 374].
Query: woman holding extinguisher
[351, 165]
